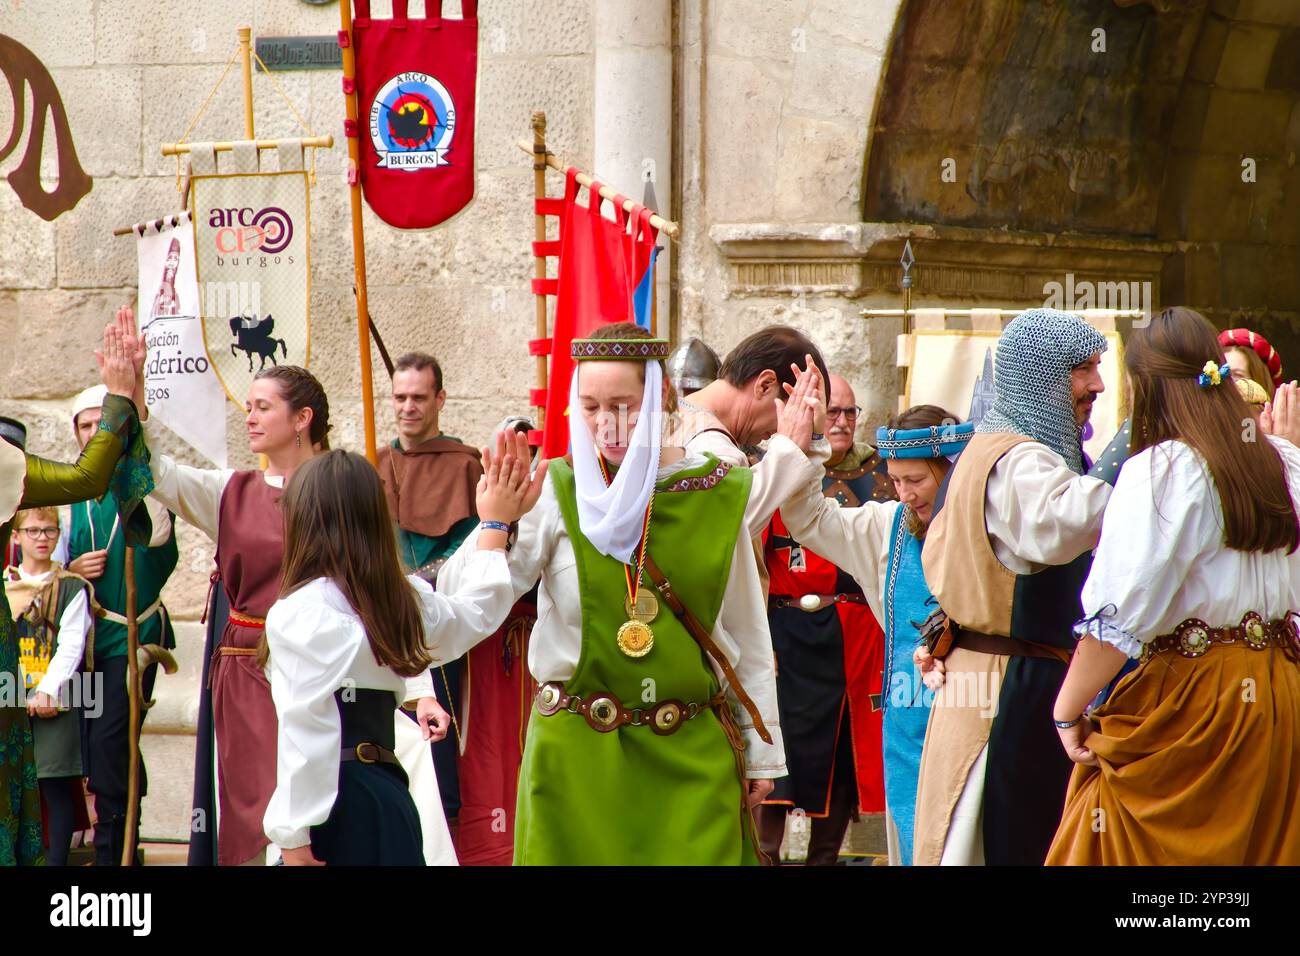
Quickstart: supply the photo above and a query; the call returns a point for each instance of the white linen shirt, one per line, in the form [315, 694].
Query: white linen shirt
[1162, 557]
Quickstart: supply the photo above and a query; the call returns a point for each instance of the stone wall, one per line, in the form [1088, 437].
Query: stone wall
[776, 101]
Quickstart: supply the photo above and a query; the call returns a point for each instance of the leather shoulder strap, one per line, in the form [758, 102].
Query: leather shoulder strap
[696, 630]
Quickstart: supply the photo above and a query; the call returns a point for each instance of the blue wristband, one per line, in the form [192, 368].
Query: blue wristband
[495, 526]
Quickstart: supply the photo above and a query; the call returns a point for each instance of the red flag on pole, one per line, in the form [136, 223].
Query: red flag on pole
[595, 279]
[415, 84]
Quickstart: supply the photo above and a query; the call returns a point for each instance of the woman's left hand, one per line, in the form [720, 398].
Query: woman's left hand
[433, 720]
[299, 856]
[1072, 739]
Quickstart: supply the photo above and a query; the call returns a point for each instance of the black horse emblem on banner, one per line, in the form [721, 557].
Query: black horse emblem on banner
[253, 337]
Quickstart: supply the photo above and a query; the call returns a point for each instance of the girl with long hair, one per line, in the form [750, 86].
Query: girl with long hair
[347, 632]
[1192, 759]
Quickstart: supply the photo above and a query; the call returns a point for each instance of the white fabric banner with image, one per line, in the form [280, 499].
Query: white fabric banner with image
[953, 368]
[252, 230]
[181, 388]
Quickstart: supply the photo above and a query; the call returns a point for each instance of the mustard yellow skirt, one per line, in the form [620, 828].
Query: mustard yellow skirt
[1199, 766]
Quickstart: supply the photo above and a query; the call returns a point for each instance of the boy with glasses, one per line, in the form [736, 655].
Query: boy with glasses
[51, 609]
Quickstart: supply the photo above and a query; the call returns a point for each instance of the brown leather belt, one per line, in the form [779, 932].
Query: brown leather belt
[226, 651]
[368, 753]
[604, 712]
[822, 600]
[983, 643]
[1193, 637]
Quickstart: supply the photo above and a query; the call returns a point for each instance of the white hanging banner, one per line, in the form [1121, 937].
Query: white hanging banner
[181, 388]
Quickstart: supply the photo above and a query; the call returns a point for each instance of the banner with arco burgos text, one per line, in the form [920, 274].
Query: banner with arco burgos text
[252, 238]
[181, 388]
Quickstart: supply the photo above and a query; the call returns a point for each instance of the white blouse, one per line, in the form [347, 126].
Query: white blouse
[318, 645]
[543, 551]
[1162, 557]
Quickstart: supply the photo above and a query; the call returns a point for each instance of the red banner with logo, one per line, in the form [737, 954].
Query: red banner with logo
[415, 85]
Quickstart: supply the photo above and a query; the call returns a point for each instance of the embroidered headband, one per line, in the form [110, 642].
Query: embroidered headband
[619, 350]
[937, 441]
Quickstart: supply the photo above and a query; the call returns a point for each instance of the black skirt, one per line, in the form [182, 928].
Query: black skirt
[373, 822]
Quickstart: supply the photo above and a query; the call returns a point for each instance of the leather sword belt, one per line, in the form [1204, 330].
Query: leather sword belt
[368, 753]
[245, 620]
[814, 602]
[604, 712]
[1193, 637]
[983, 643]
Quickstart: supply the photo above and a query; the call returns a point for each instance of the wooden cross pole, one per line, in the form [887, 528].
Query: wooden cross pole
[134, 700]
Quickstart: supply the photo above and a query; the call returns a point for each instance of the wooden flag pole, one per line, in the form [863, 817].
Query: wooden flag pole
[245, 41]
[665, 226]
[539, 262]
[133, 712]
[358, 238]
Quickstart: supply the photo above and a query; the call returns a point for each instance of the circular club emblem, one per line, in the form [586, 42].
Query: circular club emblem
[412, 122]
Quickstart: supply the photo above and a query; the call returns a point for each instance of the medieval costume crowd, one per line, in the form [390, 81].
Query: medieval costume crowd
[720, 608]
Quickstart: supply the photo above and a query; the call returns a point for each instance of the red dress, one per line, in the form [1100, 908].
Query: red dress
[250, 549]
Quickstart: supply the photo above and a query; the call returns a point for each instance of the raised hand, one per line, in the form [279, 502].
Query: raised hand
[803, 413]
[507, 491]
[116, 361]
[1281, 416]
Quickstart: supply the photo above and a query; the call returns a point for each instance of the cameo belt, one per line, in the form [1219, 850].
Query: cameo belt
[1193, 637]
[368, 753]
[814, 602]
[604, 712]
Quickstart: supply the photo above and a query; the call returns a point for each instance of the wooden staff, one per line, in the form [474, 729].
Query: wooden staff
[358, 239]
[133, 712]
[245, 39]
[539, 262]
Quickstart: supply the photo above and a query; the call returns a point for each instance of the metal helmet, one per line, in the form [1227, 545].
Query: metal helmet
[692, 366]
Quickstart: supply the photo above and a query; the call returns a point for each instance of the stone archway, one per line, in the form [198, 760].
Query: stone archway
[1130, 164]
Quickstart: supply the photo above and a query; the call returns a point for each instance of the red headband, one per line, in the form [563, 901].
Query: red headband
[1246, 339]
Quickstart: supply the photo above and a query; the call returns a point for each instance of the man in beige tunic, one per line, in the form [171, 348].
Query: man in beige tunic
[1006, 557]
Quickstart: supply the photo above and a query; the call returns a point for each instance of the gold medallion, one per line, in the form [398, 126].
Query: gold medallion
[645, 608]
[635, 639]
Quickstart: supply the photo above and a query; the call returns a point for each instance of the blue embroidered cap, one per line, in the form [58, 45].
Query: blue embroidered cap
[937, 441]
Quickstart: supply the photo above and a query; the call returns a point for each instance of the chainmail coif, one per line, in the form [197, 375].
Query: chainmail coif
[1037, 350]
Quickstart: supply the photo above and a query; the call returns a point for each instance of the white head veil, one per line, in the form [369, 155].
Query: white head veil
[612, 517]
